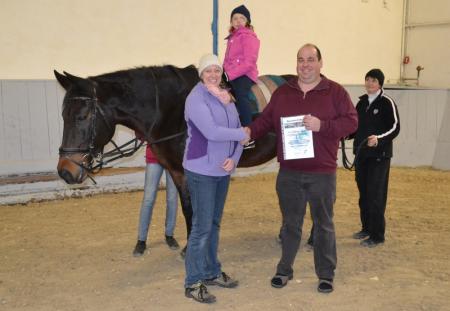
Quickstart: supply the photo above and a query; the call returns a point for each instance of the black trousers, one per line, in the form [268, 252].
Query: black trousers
[295, 190]
[372, 178]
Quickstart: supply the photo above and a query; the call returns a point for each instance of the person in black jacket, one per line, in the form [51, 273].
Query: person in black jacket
[379, 124]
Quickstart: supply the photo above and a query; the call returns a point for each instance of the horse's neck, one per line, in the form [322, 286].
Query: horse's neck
[146, 112]
[129, 114]
[149, 122]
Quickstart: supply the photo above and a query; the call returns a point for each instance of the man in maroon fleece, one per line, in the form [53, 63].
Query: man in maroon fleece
[329, 114]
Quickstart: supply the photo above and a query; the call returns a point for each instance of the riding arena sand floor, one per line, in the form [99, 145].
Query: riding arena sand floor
[76, 254]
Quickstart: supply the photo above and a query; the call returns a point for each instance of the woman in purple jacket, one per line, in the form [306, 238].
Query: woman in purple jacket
[211, 155]
[240, 61]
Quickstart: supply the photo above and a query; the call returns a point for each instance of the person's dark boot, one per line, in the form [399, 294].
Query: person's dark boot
[360, 235]
[370, 243]
[139, 249]
[171, 242]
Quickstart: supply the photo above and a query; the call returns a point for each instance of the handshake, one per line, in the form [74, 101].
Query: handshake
[248, 133]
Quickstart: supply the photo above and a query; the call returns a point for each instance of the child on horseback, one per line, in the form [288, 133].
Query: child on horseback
[240, 62]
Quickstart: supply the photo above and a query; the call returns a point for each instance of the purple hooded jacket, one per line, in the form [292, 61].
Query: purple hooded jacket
[214, 132]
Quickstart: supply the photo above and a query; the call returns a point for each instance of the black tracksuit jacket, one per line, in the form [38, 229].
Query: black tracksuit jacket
[380, 118]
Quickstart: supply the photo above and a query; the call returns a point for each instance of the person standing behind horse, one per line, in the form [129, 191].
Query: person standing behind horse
[153, 173]
[240, 62]
[211, 155]
[379, 124]
[329, 114]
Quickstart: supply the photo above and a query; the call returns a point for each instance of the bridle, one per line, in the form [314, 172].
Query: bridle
[93, 162]
[93, 105]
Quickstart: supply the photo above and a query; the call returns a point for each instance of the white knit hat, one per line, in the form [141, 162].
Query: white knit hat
[208, 60]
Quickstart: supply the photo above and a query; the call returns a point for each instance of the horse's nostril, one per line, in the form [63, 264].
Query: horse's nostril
[66, 176]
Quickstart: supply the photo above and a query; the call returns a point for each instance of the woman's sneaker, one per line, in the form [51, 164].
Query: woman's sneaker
[223, 280]
[199, 293]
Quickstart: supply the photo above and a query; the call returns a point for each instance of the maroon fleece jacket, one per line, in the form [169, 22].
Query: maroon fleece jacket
[329, 102]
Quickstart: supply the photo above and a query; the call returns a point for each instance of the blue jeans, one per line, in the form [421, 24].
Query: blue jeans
[208, 194]
[153, 173]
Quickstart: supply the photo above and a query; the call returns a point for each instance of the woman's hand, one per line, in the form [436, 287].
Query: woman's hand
[247, 139]
[372, 141]
[228, 165]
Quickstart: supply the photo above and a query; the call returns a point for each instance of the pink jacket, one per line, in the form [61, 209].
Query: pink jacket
[242, 54]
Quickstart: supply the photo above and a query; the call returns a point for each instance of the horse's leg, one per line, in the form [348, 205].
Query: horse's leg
[186, 206]
[180, 182]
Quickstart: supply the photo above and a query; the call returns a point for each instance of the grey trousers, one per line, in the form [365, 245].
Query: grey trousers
[296, 189]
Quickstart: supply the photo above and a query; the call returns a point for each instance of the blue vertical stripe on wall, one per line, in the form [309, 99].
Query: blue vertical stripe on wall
[214, 25]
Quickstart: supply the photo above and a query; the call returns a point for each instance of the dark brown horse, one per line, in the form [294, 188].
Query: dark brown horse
[148, 100]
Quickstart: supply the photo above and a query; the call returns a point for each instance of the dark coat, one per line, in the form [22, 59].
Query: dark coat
[379, 118]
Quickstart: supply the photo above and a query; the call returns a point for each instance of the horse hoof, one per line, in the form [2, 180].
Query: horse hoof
[183, 252]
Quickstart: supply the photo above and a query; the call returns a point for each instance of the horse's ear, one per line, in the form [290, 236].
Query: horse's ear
[85, 84]
[62, 79]
[72, 77]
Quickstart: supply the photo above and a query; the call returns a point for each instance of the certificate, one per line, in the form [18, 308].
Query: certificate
[297, 140]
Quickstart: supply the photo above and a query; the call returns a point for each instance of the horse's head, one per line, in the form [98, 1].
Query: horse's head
[87, 128]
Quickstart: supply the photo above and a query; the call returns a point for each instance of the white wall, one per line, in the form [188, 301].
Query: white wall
[89, 37]
[428, 43]
[350, 34]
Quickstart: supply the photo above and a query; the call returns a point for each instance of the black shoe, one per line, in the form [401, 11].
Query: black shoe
[171, 242]
[223, 281]
[199, 293]
[139, 249]
[250, 145]
[325, 286]
[360, 235]
[371, 243]
[280, 280]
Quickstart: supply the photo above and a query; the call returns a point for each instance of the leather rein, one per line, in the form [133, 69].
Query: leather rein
[345, 161]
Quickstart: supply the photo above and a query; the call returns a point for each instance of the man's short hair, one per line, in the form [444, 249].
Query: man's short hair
[319, 54]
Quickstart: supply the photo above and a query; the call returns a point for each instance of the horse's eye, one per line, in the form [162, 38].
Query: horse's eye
[81, 118]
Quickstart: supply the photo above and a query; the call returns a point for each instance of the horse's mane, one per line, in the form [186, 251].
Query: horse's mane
[136, 81]
[143, 71]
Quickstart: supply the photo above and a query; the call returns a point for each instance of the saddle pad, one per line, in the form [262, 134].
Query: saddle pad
[261, 92]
